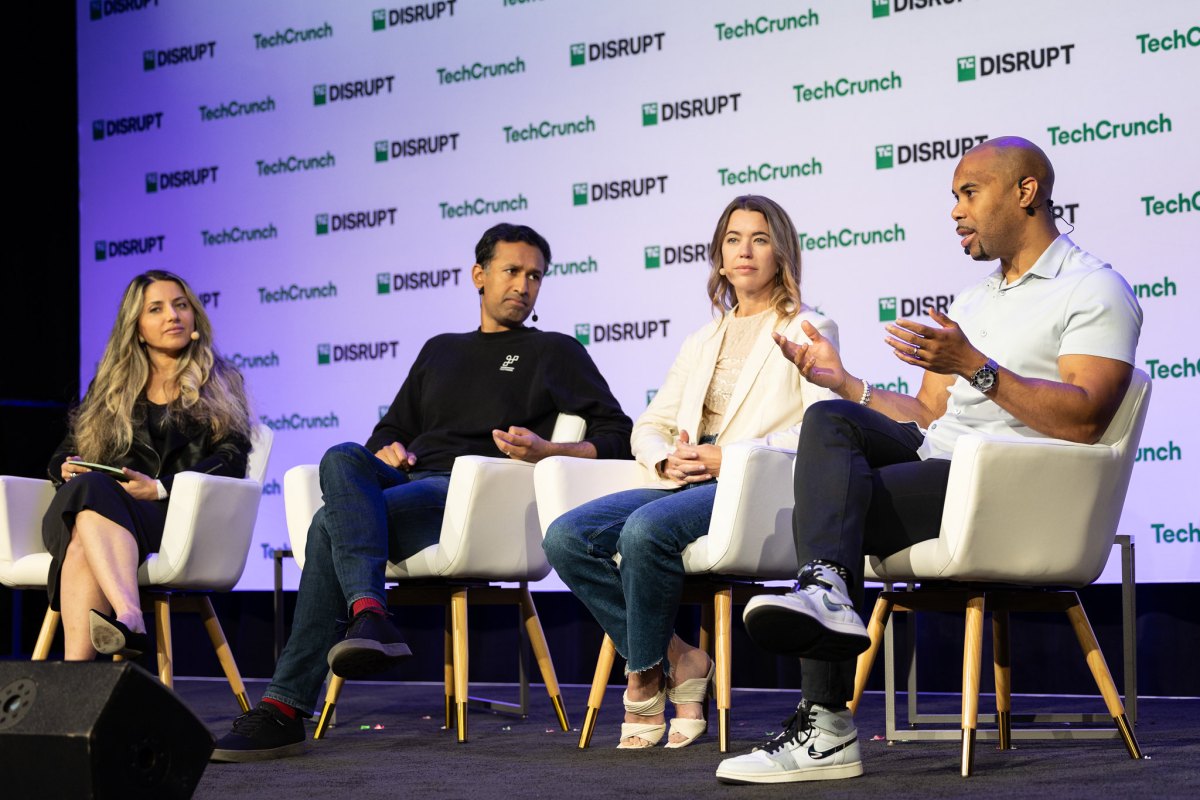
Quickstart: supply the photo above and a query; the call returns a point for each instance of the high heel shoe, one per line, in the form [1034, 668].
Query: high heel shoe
[110, 637]
[693, 690]
[648, 733]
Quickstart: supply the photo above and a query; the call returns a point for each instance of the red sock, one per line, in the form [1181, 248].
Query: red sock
[367, 604]
[284, 707]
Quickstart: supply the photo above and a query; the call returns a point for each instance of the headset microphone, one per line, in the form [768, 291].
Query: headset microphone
[535, 317]
[966, 251]
[195, 336]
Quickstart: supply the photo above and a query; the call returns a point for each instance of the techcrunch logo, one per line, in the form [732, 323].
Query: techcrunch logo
[589, 333]
[356, 351]
[888, 156]
[653, 113]
[236, 108]
[288, 294]
[1168, 452]
[1181, 369]
[368, 87]
[355, 220]
[548, 130]
[573, 267]
[123, 125]
[388, 282]
[848, 237]
[764, 25]
[480, 207]
[384, 18]
[656, 255]
[177, 55]
[283, 38]
[179, 179]
[1180, 205]
[1164, 288]
[770, 172]
[237, 235]
[105, 250]
[479, 71]
[299, 422]
[909, 307]
[1163, 534]
[899, 385]
[970, 67]
[1105, 130]
[883, 8]
[295, 164]
[416, 146]
[583, 52]
[1172, 41]
[99, 9]
[255, 362]
[617, 190]
[846, 87]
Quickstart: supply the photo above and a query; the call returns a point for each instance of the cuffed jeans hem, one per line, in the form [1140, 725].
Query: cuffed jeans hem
[666, 668]
[301, 707]
[350, 601]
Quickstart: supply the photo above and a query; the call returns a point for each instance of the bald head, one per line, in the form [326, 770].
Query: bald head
[1015, 159]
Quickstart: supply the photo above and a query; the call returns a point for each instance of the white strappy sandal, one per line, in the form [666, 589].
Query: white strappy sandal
[693, 690]
[646, 732]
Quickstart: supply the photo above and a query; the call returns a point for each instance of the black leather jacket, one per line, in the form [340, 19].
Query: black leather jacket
[189, 448]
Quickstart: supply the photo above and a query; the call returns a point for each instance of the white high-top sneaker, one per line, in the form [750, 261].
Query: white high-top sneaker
[816, 620]
[817, 745]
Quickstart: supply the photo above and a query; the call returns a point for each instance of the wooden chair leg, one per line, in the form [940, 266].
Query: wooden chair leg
[41, 650]
[458, 622]
[332, 692]
[1104, 681]
[1002, 664]
[220, 644]
[162, 626]
[448, 669]
[541, 652]
[875, 628]
[723, 623]
[604, 665]
[972, 662]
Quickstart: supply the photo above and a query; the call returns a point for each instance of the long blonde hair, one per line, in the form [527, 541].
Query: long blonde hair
[785, 297]
[211, 391]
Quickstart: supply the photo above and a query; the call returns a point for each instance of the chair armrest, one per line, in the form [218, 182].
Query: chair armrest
[301, 499]
[23, 503]
[751, 528]
[209, 526]
[562, 483]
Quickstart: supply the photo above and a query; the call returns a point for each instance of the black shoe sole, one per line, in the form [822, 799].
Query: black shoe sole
[359, 658]
[243, 756]
[787, 633]
[110, 637]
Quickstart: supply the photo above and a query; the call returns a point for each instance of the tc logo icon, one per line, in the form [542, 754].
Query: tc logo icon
[884, 156]
[653, 257]
[319, 94]
[95, 10]
[148, 60]
[322, 224]
[583, 333]
[966, 68]
[383, 282]
[887, 309]
[151, 182]
[578, 54]
[381, 151]
[323, 354]
[97, 130]
[649, 114]
[101, 251]
[880, 8]
[378, 21]
[581, 193]
[509, 363]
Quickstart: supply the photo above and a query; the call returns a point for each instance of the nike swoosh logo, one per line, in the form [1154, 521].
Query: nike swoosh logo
[829, 605]
[817, 755]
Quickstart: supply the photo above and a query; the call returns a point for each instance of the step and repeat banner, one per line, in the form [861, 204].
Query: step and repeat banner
[321, 171]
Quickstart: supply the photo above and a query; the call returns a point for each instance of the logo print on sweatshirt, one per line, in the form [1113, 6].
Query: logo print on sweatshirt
[509, 364]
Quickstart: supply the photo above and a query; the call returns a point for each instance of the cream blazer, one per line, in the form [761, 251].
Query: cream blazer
[767, 403]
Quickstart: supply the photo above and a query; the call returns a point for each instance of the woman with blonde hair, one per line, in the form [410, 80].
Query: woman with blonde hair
[163, 401]
[727, 385]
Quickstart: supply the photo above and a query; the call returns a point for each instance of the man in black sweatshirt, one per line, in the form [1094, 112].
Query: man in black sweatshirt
[496, 391]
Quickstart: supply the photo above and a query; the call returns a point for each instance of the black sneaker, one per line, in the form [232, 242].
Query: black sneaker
[261, 734]
[372, 645]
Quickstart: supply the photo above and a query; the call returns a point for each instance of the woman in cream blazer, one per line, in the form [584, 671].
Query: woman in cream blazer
[728, 384]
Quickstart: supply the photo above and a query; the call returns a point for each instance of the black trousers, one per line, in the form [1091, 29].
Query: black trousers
[860, 489]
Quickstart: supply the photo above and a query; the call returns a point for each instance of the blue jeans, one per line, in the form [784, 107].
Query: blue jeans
[636, 604]
[373, 514]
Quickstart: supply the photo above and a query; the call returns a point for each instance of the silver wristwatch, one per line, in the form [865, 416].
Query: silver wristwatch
[984, 378]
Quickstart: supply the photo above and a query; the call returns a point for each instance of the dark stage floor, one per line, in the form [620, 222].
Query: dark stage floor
[412, 756]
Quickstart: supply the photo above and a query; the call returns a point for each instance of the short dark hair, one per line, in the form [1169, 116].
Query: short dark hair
[507, 232]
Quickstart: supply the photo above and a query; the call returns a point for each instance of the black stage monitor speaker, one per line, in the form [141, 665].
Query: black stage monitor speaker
[95, 730]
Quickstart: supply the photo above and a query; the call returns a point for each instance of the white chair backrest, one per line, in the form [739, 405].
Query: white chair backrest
[261, 440]
[568, 428]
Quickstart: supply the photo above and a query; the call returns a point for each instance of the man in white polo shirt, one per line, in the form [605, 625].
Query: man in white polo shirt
[1044, 346]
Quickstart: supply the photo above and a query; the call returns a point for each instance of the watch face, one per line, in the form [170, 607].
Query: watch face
[984, 379]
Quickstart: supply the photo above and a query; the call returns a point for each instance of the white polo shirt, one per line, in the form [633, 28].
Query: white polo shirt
[1068, 303]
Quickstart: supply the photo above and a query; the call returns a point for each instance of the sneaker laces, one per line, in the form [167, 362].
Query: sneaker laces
[796, 729]
[249, 723]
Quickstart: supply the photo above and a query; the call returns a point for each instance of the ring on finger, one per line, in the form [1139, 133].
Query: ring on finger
[915, 349]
